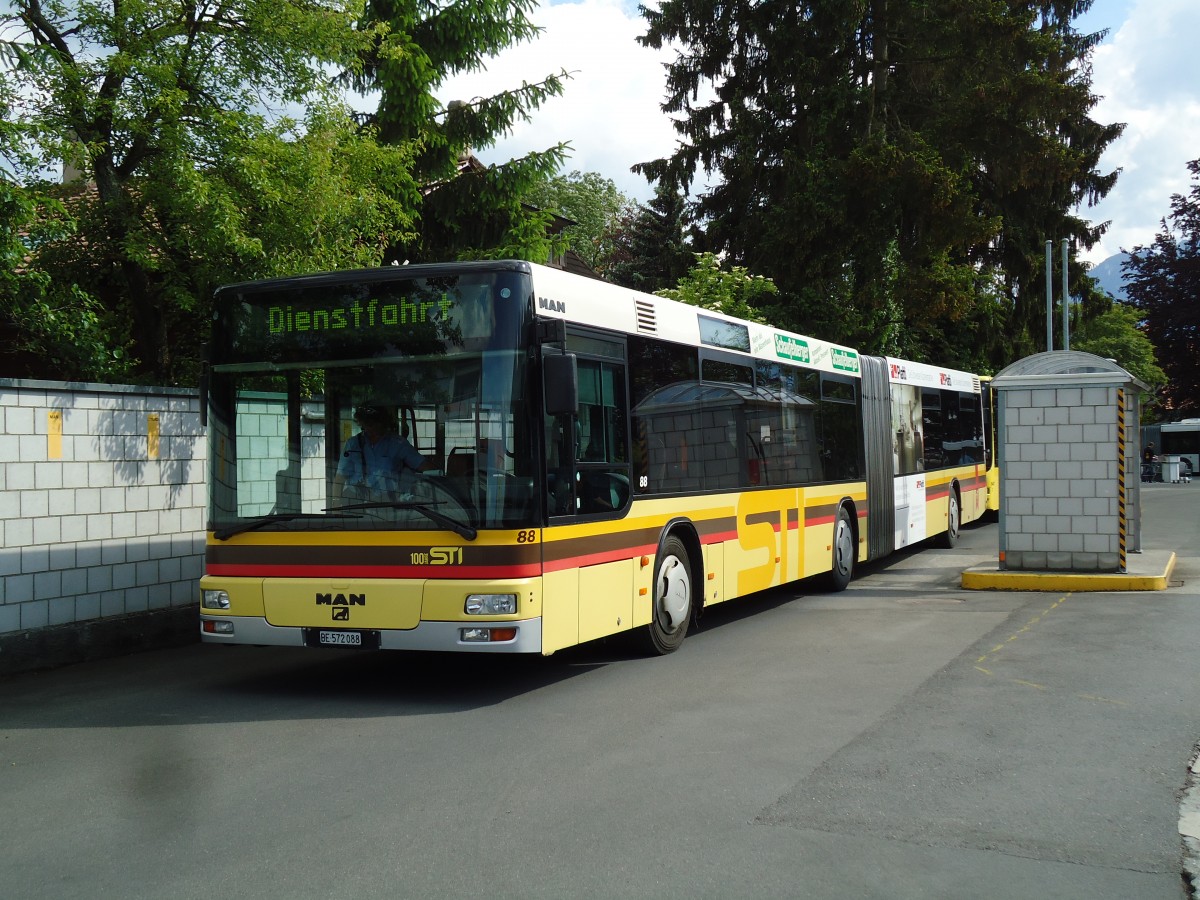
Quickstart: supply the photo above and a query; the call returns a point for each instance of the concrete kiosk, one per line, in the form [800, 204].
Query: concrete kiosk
[1067, 447]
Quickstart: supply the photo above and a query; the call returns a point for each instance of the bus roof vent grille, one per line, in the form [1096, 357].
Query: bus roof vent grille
[647, 321]
[975, 383]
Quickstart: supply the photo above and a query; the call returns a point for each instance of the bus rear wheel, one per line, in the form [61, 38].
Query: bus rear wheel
[949, 537]
[843, 552]
[672, 598]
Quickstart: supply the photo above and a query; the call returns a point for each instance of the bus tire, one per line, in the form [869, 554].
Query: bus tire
[842, 564]
[673, 598]
[949, 538]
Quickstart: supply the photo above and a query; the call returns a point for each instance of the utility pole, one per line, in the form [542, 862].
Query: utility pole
[1049, 296]
[1066, 300]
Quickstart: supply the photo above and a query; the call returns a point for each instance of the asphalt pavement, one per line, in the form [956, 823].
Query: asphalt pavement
[906, 738]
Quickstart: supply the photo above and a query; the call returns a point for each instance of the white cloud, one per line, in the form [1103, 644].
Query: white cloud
[610, 109]
[1146, 75]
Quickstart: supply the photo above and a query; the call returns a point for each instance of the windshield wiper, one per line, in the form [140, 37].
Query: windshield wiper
[224, 534]
[465, 531]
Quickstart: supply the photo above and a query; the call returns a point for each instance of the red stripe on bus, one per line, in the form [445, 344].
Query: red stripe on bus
[294, 571]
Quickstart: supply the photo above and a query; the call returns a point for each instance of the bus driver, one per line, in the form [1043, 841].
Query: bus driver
[377, 462]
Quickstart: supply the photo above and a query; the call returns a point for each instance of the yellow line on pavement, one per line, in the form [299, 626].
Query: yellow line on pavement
[1028, 626]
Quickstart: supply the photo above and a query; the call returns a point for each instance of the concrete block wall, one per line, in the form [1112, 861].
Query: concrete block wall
[1059, 479]
[262, 437]
[102, 503]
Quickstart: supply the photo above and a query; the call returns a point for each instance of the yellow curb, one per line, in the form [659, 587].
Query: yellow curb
[992, 578]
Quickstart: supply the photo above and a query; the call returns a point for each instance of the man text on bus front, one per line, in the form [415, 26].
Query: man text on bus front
[378, 462]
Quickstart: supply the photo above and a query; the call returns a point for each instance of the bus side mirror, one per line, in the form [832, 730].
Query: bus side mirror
[561, 376]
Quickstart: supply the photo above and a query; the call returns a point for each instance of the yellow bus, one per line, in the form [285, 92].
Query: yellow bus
[562, 460]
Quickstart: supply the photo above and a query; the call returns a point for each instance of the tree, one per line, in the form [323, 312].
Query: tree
[167, 107]
[651, 250]
[470, 211]
[1163, 283]
[1114, 334]
[894, 165]
[596, 207]
[734, 292]
[46, 325]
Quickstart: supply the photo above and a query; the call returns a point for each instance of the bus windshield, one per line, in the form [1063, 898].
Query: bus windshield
[382, 402]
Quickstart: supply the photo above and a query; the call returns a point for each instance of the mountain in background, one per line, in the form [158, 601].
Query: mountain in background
[1110, 276]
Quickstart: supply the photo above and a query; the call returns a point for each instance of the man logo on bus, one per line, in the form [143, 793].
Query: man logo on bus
[341, 599]
[341, 614]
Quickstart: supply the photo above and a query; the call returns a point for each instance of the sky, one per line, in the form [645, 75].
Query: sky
[1146, 74]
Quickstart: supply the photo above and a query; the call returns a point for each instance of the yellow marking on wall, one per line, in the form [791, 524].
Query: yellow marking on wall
[54, 431]
[152, 436]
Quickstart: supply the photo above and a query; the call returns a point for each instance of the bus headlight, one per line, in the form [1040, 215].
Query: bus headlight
[491, 604]
[215, 600]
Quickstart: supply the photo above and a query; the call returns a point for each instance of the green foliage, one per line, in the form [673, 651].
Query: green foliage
[413, 48]
[484, 213]
[1163, 284]
[47, 326]
[734, 292]
[1115, 335]
[894, 165]
[596, 207]
[651, 250]
[162, 105]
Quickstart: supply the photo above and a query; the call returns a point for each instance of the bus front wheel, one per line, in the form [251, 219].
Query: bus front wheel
[672, 598]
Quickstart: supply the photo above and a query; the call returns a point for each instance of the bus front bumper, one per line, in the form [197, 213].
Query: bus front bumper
[426, 636]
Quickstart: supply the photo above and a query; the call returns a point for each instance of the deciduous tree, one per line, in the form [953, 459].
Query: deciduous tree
[733, 291]
[170, 109]
[1163, 283]
[595, 206]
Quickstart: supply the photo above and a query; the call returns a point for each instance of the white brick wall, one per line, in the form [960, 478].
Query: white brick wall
[103, 530]
[1059, 480]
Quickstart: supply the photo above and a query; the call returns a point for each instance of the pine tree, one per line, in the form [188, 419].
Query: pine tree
[652, 251]
[894, 165]
[466, 211]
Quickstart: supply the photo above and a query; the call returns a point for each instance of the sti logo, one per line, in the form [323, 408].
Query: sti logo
[899, 373]
[944, 378]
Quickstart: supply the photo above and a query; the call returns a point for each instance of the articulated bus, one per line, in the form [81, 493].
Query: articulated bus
[595, 460]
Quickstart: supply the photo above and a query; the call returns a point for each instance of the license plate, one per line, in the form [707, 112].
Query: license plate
[360, 639]
[340, 638]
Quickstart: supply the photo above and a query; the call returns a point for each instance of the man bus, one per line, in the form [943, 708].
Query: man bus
[596, 460]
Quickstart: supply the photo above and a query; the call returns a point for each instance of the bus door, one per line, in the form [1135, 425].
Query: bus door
[588, 490]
